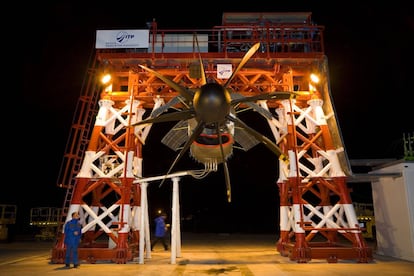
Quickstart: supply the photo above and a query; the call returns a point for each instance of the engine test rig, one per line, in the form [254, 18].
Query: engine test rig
[102, 165]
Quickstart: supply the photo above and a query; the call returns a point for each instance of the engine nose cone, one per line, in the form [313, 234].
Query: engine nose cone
[212, 103]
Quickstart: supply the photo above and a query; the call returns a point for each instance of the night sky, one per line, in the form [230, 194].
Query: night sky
[369, 50]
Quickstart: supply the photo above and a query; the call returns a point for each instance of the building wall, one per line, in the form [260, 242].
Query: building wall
[393, 199]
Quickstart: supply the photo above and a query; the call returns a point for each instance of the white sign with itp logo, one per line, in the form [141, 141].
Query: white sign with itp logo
[109, 39]
[224, 71]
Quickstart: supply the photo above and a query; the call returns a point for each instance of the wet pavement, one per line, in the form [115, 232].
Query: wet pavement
[201, 254]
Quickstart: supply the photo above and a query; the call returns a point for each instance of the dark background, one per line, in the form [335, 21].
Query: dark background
[369, 50]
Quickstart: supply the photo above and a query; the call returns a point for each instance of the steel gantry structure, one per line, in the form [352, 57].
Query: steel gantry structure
[102, 166]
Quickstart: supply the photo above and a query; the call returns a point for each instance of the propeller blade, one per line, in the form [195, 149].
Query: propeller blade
[169, 117]
[263, 139]
[197, 131]
[265, 113]
[265, 96]
[203, 74]
[226, 169]
[227, 177]
[168, 105]
[187, 94]
[245, 59]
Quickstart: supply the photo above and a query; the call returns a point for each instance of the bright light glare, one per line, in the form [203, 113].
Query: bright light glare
[314, 78]
[106, 78]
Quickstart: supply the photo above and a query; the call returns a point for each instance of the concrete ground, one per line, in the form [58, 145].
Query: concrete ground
[201, 254]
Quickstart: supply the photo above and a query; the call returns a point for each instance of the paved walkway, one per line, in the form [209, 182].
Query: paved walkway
[201, 254]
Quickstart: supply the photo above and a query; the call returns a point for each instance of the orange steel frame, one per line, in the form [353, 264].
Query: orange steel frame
[104, 153]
